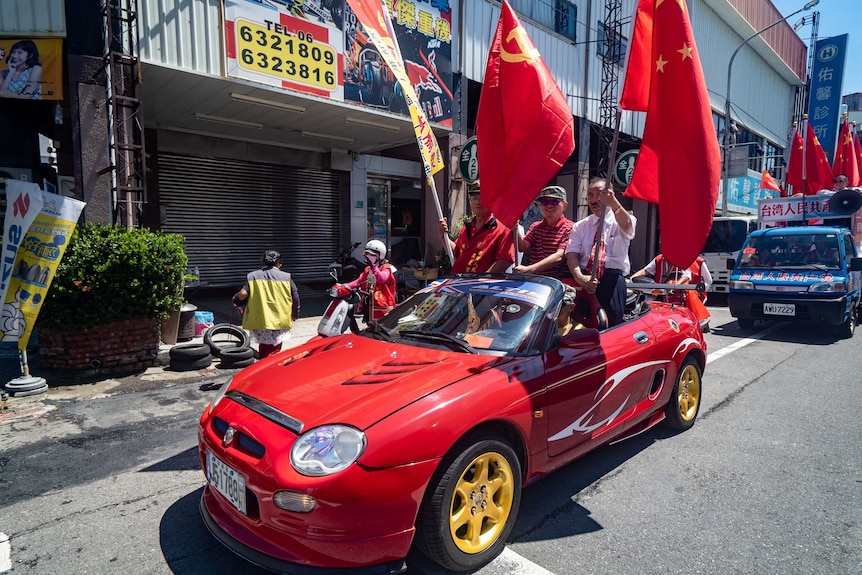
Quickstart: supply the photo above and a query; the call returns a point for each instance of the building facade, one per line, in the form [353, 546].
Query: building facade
[253, 124]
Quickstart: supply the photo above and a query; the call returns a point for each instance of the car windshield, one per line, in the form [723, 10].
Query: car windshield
[792, 251]
[470, 314]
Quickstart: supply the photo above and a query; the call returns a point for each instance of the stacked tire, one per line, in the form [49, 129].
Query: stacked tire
[190, 357]
[231, 344]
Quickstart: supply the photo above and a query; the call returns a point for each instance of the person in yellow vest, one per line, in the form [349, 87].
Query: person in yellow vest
[271, 303]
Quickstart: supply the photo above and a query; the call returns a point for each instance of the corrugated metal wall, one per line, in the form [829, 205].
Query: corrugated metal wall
[760, 98]
[230, 212]
[182, 33]
[32, 18]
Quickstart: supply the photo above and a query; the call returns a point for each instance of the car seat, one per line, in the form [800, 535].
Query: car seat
[588, 311]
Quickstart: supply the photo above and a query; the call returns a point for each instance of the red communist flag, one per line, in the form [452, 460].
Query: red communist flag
[845, 156]
[767, 182]
[665, 79]
[524, 127]
[794, 163]
[858, 149]
[818, 173]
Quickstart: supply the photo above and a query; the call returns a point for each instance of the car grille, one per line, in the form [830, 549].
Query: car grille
[242, 441]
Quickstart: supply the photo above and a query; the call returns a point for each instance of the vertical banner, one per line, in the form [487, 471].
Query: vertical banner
[31, 69]
[827, 78]
[39, 256]
[378, 26]
[23, 203]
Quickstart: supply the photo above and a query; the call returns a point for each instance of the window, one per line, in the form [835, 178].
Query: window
[558, 15]
[611, 47]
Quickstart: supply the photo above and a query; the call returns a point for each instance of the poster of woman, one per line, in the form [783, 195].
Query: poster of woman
[31, 69]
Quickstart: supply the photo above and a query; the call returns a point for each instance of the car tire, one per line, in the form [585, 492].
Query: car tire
[230, 355]
[189, 352]
[225, 336]
[745, 322]
[236, 364]
[848, 328]
[684, 402]
[193, 364]
[488, 469]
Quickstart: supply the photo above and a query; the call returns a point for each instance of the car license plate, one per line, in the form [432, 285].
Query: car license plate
[788, 309]
[227, 481]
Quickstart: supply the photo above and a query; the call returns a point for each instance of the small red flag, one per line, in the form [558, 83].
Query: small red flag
[524, 127]
[664, 77]
[767, 182]
[819, 173]
[845, 156]
[858, 152]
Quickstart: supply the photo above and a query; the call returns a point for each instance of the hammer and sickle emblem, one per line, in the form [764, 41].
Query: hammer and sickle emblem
[527, 53]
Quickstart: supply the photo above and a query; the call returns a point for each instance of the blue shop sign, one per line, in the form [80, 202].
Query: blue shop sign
[745, 192]
[825, 98]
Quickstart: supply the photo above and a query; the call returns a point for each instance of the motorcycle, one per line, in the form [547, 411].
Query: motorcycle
[346, 268]
[347, 304]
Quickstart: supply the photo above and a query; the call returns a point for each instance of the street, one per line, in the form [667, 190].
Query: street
[767, 481]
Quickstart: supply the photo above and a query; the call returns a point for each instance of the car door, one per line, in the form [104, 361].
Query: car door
[593, 383]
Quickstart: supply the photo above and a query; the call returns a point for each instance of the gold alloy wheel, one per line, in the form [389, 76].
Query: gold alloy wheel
[689, 392]
[481, 503]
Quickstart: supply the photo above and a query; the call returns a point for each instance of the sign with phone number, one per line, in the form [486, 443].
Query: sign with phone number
[286, 56]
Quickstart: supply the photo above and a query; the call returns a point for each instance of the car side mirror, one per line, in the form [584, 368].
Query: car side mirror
[855, 264]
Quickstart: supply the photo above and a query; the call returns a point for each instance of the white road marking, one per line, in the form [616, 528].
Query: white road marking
[513, 564]
[743, 342]
[5, 553]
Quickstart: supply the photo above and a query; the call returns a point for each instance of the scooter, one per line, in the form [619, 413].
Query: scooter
[346, 268]
[341, 313]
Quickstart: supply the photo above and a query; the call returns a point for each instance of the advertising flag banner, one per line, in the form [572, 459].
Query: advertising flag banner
[31, 68]
[824, 104]
[524, 125]
[39, 256]
[665, 78]
[23, 203]
[378, 25]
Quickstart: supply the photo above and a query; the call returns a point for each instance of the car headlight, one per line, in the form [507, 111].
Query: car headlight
[222, 390]
[333, 292]
[826, 287]
[327, 449]
[741, 285]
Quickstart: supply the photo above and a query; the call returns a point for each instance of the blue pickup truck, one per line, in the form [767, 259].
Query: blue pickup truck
[803, 273]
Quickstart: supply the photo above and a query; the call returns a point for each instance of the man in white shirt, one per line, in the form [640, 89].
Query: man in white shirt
[618, 230]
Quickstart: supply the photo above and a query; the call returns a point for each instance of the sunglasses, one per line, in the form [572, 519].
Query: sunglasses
[549, 202]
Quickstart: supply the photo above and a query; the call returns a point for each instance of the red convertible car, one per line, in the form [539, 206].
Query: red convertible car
[423, 429]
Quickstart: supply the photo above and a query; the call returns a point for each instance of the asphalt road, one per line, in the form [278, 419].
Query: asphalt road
[767, 481]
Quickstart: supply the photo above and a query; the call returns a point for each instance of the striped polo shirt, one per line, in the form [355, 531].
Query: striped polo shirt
[545, 240]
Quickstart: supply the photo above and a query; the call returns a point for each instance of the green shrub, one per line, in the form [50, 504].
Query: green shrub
[112, 273]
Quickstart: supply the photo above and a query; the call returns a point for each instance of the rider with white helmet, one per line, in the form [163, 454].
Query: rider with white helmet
[378, 279]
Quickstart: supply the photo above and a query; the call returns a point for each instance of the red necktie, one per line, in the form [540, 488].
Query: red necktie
[600, 268]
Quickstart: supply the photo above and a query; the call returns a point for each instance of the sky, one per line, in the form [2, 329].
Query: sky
[837, 17]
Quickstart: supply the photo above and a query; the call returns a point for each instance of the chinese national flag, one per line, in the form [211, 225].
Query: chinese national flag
[679, 165]
[793, 175]
[845, 156]
[858, 150]
[818, 173]
[524, 127]
[767, 182]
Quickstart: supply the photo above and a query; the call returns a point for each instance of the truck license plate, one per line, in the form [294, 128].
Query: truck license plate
[226, 480]
[787, 309]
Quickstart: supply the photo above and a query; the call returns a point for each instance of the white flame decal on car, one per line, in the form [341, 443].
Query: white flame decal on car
[685, 345]
[585, 423]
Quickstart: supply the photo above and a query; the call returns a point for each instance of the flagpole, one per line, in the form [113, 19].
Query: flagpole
[440, 217]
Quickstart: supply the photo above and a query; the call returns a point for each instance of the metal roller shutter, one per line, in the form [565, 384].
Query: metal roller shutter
[231, 211]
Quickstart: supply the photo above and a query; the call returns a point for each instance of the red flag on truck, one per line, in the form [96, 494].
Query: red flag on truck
[664, 78]
[767, 182]
[845, 156]
[524, 127]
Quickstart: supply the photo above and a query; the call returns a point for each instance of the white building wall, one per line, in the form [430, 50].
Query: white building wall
[183, 34]
[40, 18]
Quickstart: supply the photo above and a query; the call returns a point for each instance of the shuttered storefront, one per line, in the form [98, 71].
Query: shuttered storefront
[231, 211]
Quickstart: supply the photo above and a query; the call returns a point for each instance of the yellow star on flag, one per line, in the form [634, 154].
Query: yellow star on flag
[685, 51]
[659, 64]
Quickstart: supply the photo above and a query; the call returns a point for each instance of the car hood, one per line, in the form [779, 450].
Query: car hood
[354, 379]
